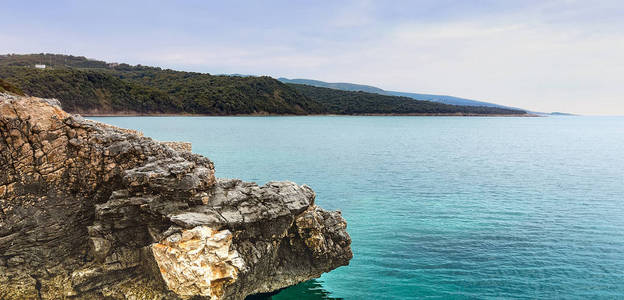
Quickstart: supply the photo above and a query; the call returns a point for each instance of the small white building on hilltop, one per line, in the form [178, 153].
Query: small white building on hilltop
[40, 66]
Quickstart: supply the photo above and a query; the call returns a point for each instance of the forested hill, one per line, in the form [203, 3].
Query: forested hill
[6, 87]
[95, 87]
[371, 89]
[346, 102]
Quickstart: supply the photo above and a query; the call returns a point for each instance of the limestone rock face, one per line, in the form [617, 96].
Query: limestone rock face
[91, 211]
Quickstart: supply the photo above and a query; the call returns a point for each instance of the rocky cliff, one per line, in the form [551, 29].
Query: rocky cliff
[92, 211]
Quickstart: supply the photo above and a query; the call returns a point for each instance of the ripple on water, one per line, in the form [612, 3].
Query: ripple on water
[443, 207]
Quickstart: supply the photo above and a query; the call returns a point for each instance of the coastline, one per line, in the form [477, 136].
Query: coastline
[170, 227]
[303, 115]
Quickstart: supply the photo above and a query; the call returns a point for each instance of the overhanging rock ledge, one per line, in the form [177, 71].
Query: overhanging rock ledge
[91, 211]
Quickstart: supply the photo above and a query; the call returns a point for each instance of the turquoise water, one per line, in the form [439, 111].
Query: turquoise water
[442, 207]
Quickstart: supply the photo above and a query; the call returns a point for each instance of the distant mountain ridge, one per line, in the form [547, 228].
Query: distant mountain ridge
[372, 89]
[336, 85]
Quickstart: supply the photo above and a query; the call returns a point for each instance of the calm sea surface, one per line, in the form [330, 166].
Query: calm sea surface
[441, 207]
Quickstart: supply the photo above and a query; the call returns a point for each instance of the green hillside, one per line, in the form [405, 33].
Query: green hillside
[86, 91]
[345, 102]
[6, 87]
[90, 86]
[95, 87]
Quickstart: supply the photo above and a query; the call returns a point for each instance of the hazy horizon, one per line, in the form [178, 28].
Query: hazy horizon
[545, 56]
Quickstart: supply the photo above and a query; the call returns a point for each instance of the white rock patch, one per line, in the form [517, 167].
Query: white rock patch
[198, 261]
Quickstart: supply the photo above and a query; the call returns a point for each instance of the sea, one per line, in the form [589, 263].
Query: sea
[440, 207]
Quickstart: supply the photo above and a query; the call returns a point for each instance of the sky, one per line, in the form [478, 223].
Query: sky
[559, 55]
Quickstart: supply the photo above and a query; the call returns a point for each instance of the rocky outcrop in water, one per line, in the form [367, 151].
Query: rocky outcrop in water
[92, 211]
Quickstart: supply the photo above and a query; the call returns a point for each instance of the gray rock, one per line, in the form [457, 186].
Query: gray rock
[194, 219]
[92, 211]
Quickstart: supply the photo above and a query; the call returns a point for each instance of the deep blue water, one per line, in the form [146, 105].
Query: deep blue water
[443, 207]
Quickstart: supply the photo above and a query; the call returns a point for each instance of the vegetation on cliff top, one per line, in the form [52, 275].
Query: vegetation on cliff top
[347, 102]
[7, 87]
[91, 86]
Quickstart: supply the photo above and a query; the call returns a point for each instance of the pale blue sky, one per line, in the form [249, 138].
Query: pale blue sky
[540, 55]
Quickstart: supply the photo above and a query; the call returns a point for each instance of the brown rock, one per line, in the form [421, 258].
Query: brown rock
[92, 211]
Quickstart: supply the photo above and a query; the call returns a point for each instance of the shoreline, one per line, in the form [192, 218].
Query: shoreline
[307, 115]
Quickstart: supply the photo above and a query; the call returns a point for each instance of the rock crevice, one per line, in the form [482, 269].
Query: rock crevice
[92, 211]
